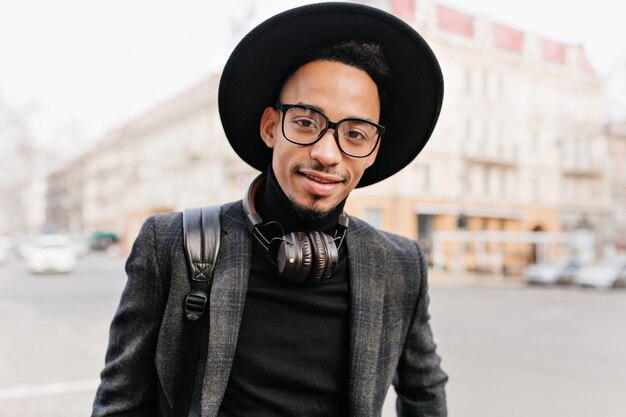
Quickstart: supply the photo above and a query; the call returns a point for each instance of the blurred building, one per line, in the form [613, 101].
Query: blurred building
[174, 156]
[520, 148]
[520, 145]
[617, 179]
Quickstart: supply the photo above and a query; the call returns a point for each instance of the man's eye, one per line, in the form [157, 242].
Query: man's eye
[305, 123]
[356, 135]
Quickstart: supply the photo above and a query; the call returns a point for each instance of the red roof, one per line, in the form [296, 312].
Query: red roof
[583, 62]
[504, 37]
[404, 9]
[508, 38]
[455, 21]
[553, 51]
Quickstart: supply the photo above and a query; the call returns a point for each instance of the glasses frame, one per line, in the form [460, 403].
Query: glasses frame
[329, 125]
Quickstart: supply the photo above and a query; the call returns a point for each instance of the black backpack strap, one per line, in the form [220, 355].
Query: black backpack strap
[201, 236]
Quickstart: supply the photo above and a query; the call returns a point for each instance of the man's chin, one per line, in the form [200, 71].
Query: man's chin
[314, 211]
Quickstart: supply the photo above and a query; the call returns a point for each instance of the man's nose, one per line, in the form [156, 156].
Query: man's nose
[326, 150]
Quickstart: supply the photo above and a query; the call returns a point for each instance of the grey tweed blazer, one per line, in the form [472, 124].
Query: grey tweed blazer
[390, 340]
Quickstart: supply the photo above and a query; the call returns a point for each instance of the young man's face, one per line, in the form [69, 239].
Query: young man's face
[318, 177]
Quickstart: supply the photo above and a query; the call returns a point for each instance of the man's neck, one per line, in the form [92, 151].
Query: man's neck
[274, 205]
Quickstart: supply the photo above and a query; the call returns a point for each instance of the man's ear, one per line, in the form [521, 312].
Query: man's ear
[269, 122]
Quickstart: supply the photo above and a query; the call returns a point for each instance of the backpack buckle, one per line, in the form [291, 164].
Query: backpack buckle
[195, 303]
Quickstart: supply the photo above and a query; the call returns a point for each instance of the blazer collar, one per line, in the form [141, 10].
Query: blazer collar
[367, 295]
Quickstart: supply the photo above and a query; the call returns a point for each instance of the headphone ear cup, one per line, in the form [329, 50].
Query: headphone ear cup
[294, 257]
[326, 255]
[319, 252]
[307, 257]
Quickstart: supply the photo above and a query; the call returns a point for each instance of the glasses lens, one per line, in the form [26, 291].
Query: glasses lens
[303, 125]
[357, 137]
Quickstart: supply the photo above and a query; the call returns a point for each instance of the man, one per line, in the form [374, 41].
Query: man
[312, 313]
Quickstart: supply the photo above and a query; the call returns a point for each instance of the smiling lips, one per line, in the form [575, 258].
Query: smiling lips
[320, 183]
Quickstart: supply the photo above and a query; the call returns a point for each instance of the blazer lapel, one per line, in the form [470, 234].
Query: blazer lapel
[230, 280]
[169, 348]
[367, 296]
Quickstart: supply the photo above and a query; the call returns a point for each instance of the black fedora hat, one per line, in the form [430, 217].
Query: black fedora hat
[260, 62]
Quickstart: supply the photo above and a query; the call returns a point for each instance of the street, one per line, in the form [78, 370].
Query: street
[509, 350]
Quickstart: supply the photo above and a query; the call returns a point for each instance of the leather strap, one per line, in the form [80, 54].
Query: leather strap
[201, 233]
[201, 238]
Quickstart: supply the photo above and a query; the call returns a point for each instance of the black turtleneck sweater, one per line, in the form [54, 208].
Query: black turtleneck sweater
[293, 348]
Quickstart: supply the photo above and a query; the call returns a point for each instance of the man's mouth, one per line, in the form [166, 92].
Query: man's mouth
[321, 177]
[319, 183]
[320, 180]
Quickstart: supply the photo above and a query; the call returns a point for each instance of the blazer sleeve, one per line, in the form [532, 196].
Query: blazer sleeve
[128, 381]
[419, 380]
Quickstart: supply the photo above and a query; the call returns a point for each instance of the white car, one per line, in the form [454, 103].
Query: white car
[7, 243]
[51, 253]
[611, 273]
[4, 253]
[558, 273]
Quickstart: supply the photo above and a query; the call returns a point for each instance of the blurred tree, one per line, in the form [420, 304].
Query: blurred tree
[23, 165]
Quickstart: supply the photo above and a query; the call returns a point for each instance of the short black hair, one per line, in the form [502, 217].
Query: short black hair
[366, 56]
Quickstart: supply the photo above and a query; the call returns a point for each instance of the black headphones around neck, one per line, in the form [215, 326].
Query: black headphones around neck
[299, 256]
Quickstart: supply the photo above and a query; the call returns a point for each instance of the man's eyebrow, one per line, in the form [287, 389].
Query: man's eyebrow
[321, 110]
[311, 106]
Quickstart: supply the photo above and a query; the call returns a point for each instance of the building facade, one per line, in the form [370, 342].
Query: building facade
[172, 157]
[520, 147]
[616, 239]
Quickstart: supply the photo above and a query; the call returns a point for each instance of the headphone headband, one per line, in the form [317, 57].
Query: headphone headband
[253, 219]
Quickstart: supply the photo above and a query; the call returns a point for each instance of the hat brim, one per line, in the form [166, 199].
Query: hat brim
[259, 64]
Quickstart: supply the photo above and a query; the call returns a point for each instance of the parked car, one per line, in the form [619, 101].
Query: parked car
[50, 253]
[558, 273]
[101, 240]
[82, 245]
[610, 273]
[7, 243]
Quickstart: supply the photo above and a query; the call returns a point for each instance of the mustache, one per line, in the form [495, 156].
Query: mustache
[317, 166]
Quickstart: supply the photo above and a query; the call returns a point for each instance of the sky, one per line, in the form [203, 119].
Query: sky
[76, 69]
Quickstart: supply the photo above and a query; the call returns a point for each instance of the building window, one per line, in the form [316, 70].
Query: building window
[486, 181]
[426, 171]
[425, 225]
[504, 188]
[536, 187]
[468, 129]
[466, 180]
[534, 139]
[374, 216]
[485, 82]
[596, 189]
[468, 81]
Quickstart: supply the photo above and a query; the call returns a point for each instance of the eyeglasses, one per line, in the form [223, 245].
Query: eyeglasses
[305, 125]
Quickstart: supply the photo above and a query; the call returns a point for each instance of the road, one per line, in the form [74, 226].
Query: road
[510, 350]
